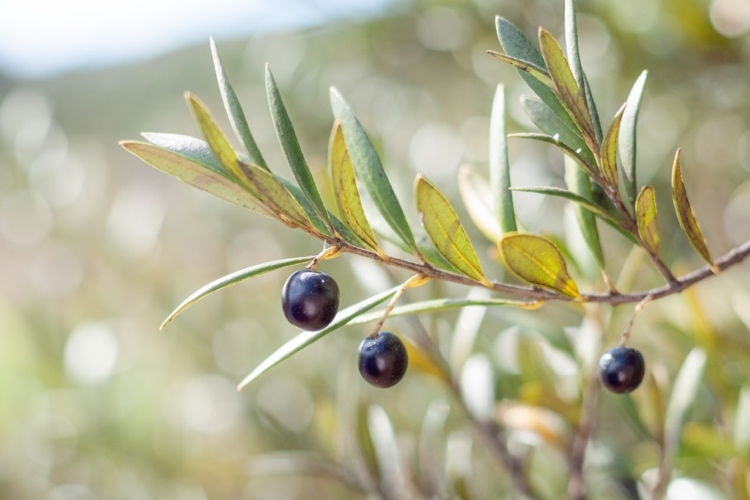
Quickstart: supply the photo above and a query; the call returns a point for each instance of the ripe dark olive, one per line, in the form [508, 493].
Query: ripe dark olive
[310, 299]
[621, 369]
[383, 360]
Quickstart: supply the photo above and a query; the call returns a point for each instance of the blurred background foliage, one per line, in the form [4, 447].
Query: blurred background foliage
[96, 248]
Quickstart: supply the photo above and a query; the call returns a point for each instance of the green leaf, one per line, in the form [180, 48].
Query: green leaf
[441, 223]
[291, 148]
[686, 216]
[586, 203]
[550, 124]
[645, 216]
[684, 394]
[345, 189]
[234, 110]
[499, 165]
[370, 170]
[566, 87]
[562, 146]
[536, 72]
[579, 182]
[538, 261]
[574, 58]
[231, 279]
[627, 143]
[193, 165]
[217, 141]
[275, 196]
[436, 305]
[609, 152]
[516, 45]
[304, 339]
[477, 197]
[304, 202]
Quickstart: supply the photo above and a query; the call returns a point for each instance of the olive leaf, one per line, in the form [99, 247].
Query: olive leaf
[345, 189]
[609, 152]
[516, 45]
[536, 72]
[276, 197]
[566, 87]
[441, 223]
[538, 261]
[291, 148]
[685, 214]
[645, 216]
[627, 143]
[555, 141]
[304, 338]
[477, 197]
[369, 170]
[231, 279]
[191, 161]
[234, 110]
[579, 182]
[499, 165]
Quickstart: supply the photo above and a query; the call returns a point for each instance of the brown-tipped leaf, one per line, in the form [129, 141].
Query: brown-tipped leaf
[609, 151]
[441, 224]
[645, 216]
[686, 216]
[537, 261]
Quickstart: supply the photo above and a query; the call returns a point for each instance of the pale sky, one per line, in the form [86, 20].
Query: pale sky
[39, 38]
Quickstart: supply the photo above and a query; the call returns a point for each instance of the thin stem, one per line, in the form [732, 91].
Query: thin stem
[731, 258]
[626, 333]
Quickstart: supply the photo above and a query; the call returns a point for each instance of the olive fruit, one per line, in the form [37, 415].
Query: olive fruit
[621, 369]
[383, 359]
[310, 299]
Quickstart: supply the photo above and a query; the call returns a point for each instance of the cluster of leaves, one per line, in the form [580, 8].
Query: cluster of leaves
[600, 186]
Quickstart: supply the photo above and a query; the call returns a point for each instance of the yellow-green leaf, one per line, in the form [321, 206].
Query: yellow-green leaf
[537, 261]
[609, 151]
[566, 86]
[195, 170]
[217, 141]
[686, 216]
[645, 216]
[532, 69]
[441, 223]
[345, 189]
[275, 196]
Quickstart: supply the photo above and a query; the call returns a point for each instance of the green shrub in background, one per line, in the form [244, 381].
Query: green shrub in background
[549, 436]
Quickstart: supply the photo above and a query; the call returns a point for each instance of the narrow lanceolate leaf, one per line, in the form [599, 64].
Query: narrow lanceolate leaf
[477, 197]
[231, 279]
[574, 59]
[304, 339]
[576, 155]
[686, 216]
[216, 139]
[345, 189]
[516, 45]
[432, 306]
[566, 86]
[537, 261]
[275, 196]
[291, 148]
[191, 161]
[627, 143]
[609, 152]
[499, 165]
[645, 216]
[441, 223]
[549, 123]
[579, 182]
[536, 72]
[370, 170]
[234, 110]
